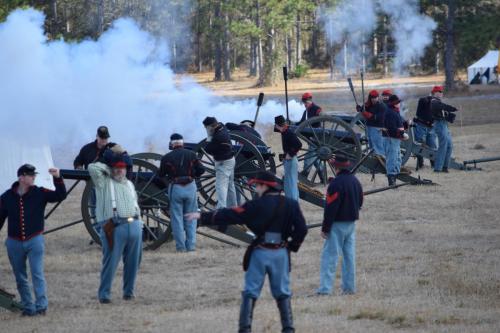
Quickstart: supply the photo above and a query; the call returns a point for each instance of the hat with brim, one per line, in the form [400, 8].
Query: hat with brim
[248, 123]
[209, 121]
[340, 162]
[26, 170]
[103, 132]
[266, 178]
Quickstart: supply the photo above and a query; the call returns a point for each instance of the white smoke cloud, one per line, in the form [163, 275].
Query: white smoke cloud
[66, 90]
[349, 21]
[411, 30]
[355, 20]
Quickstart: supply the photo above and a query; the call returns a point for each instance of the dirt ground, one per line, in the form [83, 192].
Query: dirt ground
[427, 260]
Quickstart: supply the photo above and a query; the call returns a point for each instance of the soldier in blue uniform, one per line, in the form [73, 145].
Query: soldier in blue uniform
[373, 113]
[24, 206]
[291, 146]
[393, 133]
[442, 114]
[182, 167]
[344, 199]
[279, 227]
[312, 110]
[424, 124]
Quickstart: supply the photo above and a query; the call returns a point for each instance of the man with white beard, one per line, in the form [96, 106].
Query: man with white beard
[117, 211]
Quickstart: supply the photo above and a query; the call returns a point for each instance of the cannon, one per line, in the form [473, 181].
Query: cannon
[326, 136]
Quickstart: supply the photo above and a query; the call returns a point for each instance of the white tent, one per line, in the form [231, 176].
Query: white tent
[484, 69]
[15, 154]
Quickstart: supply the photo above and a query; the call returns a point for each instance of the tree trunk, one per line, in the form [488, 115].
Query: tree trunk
[298, 42]
[269, 75]
[331, 53]
[289, 52]
[218, 42]
[449, 61]
[199, 61]
[259, 41]
[253, 58]
[100, 18]
[226, 49]
[384, 46]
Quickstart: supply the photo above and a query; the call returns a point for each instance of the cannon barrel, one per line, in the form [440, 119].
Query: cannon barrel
[84, 174]
[482, 160]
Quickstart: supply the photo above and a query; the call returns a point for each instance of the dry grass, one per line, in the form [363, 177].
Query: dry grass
[427, 262]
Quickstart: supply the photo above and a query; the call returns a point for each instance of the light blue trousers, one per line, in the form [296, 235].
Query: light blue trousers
[276, 265]
[291, 178]
[392, 156]
[127, 244]
[445, 148]
[376, 140]
[224, 183]
[341, 242]
[183, 200]
[424, 134]
[33, 251]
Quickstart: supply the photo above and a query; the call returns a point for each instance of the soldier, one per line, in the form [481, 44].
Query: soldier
[374, 112]
[393, 133]
[117, 211]
[442, 114]
[247, 126]
[182, 166]
[24, 206]
[312, 110]
[92, 151]
[279, 227]
[344, 199]
[220, 147]
[385, 96]
[423, 125]
[291, 146]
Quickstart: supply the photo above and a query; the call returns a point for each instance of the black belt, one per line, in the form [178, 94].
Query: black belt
[272, 246]
[184, 180]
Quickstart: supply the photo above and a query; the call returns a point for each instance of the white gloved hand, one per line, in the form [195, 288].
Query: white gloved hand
[405, 136]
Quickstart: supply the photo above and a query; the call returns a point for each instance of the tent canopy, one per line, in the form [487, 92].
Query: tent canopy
[485, 68]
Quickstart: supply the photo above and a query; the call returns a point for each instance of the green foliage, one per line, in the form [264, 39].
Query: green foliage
[299, 71]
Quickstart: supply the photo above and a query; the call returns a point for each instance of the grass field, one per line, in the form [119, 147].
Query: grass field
[427, 260]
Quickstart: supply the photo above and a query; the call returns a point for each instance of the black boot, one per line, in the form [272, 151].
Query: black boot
[391, 180]
[285, 307]
[246, 314]
[420, 162]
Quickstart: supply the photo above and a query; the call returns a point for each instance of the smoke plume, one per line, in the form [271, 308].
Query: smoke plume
[64, 91]
[355, 20]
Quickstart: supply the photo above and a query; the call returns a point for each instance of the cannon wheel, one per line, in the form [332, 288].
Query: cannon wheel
[153, 202]
[358, 125]
[270, 163]
[324, 146]
[249, 161]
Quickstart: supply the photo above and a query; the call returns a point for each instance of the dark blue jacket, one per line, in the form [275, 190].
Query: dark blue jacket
[344, 199]
[440, 110]
[243, 128]
[312, 111]
[255, 214]
[424, 112]
[394, 124]
[377, 112]
[181, 166]
[290, 142]
[26, 213]
[220, 147]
